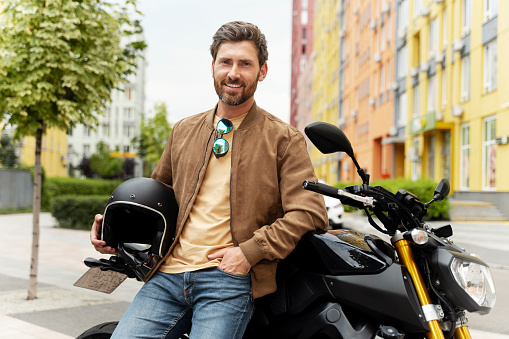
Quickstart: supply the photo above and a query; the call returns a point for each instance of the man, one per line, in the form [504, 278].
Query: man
[237, 174]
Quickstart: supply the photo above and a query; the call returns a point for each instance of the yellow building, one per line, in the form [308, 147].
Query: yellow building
[53, 155]
[458, 106]
[325, 104]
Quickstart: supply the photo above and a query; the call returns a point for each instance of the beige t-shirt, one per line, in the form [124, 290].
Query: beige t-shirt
[207, 229]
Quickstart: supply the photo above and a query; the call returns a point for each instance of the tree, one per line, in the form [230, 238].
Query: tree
[8, 156]
[104, 165]
[153, 136]
[59, 61]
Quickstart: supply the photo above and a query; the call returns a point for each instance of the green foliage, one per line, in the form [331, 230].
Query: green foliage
[153, 136]
[423, 189]
[73, 211]
[56, 187]
[59, 60]
[8, 156]
[104, 165]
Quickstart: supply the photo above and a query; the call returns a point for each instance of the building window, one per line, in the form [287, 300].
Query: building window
[416, 161]
[467, 17]
[465, 78]
[432, 94]
[128, 131]
[127, 149]
[402, 62]
[402, 110]
[489, 153]
[444, 30]
[87, 131]
[431, 156]
[402, 16]
[86, 151]
[465, 157]
[304, 13]
[490, 66]
[417, 7]
[490, 9]
[128, 114]
[444, 89]
[433, 38]
[128, 93]
[416, 102]
[382, 83]
[106, 130]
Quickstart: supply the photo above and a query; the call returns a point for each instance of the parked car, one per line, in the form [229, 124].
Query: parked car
[336, 211]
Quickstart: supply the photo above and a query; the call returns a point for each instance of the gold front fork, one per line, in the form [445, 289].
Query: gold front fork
[462, 333]
[408, 260]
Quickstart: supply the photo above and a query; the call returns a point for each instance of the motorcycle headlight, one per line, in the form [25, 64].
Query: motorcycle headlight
[465, 280]
[476, 280]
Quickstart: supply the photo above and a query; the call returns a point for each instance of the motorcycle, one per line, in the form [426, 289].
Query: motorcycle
[346, 284]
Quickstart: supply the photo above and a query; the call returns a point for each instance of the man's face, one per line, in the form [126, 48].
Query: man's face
[236, 72]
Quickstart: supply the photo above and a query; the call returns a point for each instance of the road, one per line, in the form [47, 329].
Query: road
[70, 310]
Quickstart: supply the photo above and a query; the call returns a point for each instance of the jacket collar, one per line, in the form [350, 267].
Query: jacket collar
[251, 118]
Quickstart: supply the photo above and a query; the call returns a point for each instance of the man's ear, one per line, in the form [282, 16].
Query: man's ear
[212, 68]
[263, 72]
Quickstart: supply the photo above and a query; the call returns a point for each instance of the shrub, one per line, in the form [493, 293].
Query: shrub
[423, 189]
[73, 211]
[54, 187]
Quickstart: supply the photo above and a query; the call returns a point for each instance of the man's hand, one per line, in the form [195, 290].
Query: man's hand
[100, 246]
[234, 261]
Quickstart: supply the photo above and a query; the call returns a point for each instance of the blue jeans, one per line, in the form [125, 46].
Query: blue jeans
[218, 304]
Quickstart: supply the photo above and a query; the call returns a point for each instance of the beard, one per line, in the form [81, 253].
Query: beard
[235, 99]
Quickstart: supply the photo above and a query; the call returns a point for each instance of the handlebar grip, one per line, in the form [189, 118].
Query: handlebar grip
[321, 188]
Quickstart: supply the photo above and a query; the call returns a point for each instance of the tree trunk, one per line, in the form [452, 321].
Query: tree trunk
[34, 264]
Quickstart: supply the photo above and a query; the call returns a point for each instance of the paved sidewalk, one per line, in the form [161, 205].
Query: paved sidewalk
[61, 311]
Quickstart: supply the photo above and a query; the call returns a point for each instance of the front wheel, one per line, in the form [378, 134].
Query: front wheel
[101, 331]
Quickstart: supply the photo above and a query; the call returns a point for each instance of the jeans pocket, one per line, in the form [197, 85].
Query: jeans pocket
[234, 275]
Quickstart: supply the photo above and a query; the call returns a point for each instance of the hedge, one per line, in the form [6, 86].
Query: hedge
[73, 211]
[55, 187]
[423, 189]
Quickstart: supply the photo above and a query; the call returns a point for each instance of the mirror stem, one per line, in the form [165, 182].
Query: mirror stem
[360, 171]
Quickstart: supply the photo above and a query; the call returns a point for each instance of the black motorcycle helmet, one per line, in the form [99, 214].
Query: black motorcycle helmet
[141, 211]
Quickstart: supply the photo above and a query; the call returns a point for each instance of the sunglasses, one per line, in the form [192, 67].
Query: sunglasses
[221, 146]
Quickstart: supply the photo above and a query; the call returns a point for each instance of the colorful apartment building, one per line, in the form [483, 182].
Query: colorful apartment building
[455, 97]
[325, 84]
[302, 47]
[353, 86]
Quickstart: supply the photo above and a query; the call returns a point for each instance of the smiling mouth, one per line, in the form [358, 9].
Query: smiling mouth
[233, 85]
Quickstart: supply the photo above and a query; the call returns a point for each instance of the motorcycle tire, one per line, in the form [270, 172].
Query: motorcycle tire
[101, 331]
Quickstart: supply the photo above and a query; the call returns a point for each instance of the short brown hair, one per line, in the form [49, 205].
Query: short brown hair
[236, 31]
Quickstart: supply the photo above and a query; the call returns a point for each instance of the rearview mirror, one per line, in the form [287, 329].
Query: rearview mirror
[328, 138]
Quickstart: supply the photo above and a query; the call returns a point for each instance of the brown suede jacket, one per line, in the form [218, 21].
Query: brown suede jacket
[270, 211]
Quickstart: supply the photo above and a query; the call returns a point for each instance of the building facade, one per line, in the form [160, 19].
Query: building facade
[53, 152]
[325, 104]
[302, 47]
[457, 107]
[117, 128]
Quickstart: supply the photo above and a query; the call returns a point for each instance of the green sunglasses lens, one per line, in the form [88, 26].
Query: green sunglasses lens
[224, 126]
[220, 147]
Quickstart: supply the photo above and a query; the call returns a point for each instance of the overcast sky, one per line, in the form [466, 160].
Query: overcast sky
[179, 33]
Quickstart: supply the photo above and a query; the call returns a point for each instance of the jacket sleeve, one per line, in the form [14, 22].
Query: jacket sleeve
[303, 210]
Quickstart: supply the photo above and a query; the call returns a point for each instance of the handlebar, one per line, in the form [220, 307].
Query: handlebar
[339, 194]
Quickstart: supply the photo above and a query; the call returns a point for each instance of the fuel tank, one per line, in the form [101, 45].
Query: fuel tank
[342, 252]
